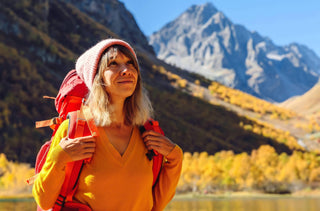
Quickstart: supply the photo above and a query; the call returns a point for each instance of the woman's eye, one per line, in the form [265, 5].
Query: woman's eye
[113, 63]
[130, 62]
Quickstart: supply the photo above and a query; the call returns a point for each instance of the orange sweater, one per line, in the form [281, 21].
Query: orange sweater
[110, 181]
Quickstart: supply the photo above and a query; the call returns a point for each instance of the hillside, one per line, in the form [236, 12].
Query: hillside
[34, 59]
[307, 104]
[40, 41]
[308, 107]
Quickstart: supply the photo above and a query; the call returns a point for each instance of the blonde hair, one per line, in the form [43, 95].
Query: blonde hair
[137, 107]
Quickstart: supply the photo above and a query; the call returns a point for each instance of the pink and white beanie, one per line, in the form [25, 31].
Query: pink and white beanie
[87, 63]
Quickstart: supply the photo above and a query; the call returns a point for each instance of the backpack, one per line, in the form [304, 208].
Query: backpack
[69, 104]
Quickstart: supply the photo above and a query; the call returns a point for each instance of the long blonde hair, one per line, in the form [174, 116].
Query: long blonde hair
[137, 107]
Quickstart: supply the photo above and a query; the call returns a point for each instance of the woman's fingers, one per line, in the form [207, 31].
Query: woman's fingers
[158, 142]
[79, 148]
[151, 133]
[85, 139]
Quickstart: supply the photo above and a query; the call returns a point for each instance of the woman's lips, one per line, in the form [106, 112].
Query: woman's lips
[125, 81]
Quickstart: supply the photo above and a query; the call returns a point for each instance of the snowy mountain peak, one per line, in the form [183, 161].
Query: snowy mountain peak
[205, 41]
[201, 14]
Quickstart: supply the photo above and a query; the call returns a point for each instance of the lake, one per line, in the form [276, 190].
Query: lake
[209, 204]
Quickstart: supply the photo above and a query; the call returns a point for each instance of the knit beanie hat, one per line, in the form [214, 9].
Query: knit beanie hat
[87, 63]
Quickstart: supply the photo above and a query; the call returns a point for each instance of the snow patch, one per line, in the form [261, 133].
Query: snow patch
[276, 57]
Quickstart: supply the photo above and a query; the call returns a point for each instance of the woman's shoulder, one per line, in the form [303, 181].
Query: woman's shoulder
[64, 124]
[61, 132]
[63, 128]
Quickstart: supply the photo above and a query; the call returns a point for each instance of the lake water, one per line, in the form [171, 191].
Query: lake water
[247, 204]
[209, 204]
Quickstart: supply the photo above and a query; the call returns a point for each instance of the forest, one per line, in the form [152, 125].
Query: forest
[263, 171]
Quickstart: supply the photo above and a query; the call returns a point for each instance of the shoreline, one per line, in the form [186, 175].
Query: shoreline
[230, 195]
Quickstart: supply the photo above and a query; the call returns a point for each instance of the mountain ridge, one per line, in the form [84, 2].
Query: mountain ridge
[113, 14]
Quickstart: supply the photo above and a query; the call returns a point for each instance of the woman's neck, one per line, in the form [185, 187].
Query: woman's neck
[117, 114]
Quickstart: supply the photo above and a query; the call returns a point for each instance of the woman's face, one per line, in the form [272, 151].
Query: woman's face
[120, 77]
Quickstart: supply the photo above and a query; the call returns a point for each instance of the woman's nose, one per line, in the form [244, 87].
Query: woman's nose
[125, 70]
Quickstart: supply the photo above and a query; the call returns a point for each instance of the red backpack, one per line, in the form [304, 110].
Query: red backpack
[69, 105]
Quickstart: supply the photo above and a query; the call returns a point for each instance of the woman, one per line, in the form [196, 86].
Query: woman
[119, 176]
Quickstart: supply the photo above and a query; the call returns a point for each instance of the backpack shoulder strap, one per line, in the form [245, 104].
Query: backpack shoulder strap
[152, 154]
[156, 168]
[76, 129]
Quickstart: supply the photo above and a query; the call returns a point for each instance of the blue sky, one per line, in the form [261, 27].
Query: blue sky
[283, 21]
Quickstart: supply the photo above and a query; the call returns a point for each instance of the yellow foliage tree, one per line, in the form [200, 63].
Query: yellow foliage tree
[263, 170]
[13, 176]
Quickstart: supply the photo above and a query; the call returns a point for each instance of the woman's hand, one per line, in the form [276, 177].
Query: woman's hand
[79, 148]
[158, 142]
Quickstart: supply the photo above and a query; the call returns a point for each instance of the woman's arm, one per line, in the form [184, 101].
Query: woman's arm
[171, 170]
[47, 186]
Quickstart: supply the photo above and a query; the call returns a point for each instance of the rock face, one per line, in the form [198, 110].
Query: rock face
[205, 41]
[113, 15]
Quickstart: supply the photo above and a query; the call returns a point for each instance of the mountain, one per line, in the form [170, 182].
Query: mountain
[39, 43]
[203, 40]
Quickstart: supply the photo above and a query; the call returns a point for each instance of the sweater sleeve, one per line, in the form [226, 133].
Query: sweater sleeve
[168, 179]
[47, 185]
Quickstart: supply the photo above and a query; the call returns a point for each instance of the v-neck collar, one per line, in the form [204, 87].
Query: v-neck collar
[121, 159]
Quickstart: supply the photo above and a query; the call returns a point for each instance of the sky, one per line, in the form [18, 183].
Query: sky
[283, 21]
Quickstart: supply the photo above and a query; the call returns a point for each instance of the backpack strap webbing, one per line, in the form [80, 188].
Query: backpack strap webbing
[52, 123]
